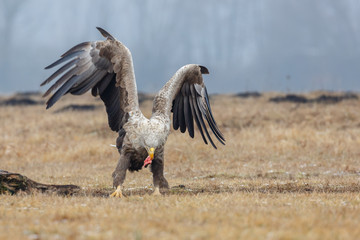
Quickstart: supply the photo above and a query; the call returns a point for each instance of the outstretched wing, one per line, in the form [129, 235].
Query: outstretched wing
[186, 96]
[106, 67]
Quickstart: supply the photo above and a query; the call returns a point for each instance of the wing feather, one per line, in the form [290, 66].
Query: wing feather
[201, 100]
[106, 67]
[181, 114]
[111, 96]
[175, 114]
[197, 115]
[61, 91]
[89, 82]
[198, 112]
[102, 85]
[187, 109]
[186, 95]
[211, 120]
[60, 71]
[78, 48]
[61, 80]
[64, 59]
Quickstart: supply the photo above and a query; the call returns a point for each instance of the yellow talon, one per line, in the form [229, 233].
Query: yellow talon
[156, 192]
[117, 193]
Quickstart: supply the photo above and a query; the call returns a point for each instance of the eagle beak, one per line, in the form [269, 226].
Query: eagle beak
[151, 153]
[149, 159]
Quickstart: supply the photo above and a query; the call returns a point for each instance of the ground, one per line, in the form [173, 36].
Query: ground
[288, 171]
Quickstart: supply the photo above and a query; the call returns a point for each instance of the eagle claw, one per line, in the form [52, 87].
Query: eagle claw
[156, 192]
[117, 193]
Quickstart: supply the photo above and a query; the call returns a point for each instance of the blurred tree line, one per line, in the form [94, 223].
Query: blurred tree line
[283, 45]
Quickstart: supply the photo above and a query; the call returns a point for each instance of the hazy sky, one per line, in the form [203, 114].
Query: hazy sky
[259, 45]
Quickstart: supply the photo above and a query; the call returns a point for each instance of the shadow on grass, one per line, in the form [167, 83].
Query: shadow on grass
[77, 107]
[274, 182]
[20, 101]
[325, 99]
[268, 188]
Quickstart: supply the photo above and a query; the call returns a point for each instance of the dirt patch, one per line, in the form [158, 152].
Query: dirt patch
[248, 94]
[77, 107]
[326, 99]
[20, 101]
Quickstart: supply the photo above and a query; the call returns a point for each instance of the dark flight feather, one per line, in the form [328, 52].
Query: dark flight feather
[199, 114]
[61, 91]
[63, 59]
[60, 71]
[181, 116]
[175, 114]
[110, 97]
[187, 110]
[88, 83]
[60, 81]
[196, 113]
[76, 49]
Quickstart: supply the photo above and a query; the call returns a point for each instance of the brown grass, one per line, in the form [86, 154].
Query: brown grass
[288, 171]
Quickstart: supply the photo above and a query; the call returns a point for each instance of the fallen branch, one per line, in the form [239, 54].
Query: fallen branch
[12, 183]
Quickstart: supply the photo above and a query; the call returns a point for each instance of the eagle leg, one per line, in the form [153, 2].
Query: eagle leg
[119, 174]
[156, 192]
[157, 168]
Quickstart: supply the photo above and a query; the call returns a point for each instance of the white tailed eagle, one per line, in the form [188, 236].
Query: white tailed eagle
[106, 67]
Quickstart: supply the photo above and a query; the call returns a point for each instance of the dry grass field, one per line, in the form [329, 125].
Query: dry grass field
[288, 171]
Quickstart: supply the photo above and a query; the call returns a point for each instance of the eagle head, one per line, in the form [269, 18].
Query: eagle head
[151, 134]
[150, 143]
[150, 156]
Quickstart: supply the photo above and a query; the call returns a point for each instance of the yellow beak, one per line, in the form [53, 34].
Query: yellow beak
[151, 153]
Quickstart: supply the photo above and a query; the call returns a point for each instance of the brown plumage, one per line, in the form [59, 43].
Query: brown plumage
[106, 67]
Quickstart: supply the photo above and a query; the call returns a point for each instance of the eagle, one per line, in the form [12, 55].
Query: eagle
[106, 67]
